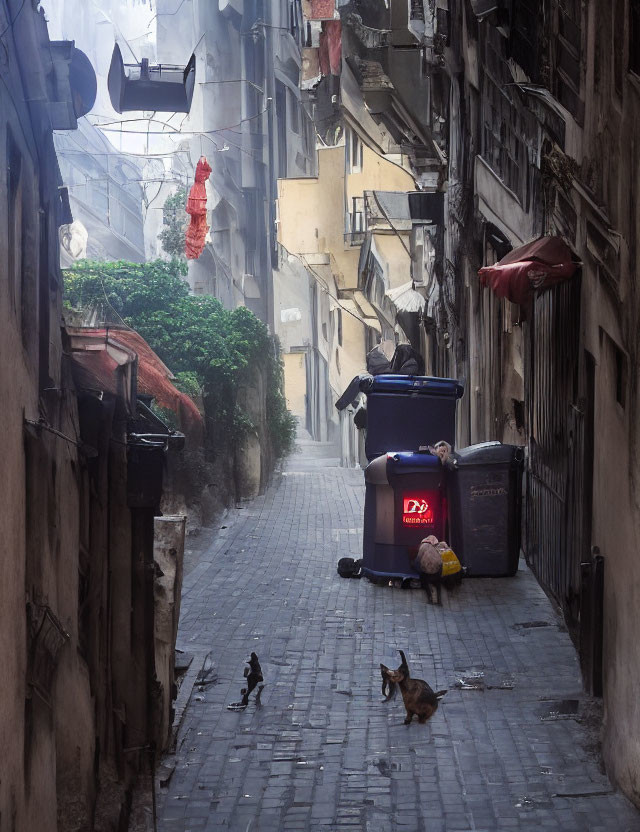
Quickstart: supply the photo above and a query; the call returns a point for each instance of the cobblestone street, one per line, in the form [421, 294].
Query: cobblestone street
[515, 750]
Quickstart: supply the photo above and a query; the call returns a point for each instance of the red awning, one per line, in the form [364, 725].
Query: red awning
[537, 265]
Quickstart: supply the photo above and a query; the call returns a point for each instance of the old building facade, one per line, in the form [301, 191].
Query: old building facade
[542, 111]
[246, 118]
[516, 120]
[368, 245]
[87, 691]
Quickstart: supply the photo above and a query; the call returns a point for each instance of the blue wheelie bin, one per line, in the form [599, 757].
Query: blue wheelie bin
[409, 413]
[405, 484]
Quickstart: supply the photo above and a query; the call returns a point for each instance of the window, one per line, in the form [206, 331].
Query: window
[634, 36]
[281, 118]
[339, 314]
[568, 51]
[294, 111]
[308, 134]
[14, 218]
[621, 376]
[616, 51]
[518, 413]
[254, 218]
[354, 152]
[355, 221]
[294, 23]
[357, 214]
[504, 142]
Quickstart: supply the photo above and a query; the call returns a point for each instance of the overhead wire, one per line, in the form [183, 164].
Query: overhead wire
[108, 129]
[233, 81]
[89, 179]
[393, 228]
[167, 14]
[261, 23]
[118, 29]
[322, 281]
[115, 151]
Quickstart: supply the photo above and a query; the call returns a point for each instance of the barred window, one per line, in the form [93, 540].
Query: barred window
[503, 146]
[567, 76]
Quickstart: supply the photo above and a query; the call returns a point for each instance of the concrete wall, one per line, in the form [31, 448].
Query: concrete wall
[378, 174]
[332, 261]
[610, 169]
[323, 198]
[295, 374]
[335, 334]
[250, 85]
[396, 258]
[105, 194]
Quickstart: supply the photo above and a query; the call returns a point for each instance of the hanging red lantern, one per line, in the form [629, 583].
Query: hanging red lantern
[197, 209]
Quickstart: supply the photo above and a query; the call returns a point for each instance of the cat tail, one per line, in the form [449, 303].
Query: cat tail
[405, 664]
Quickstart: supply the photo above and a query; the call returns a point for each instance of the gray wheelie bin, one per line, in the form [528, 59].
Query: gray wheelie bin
[485, 507]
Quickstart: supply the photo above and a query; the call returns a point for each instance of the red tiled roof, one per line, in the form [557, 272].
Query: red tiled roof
[95, 368]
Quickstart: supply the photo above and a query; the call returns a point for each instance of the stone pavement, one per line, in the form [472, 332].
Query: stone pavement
[512, 751]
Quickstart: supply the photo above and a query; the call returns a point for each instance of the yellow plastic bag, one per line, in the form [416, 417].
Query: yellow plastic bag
[450, 563]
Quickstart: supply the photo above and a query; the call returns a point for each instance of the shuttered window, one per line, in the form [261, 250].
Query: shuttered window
[567, 79]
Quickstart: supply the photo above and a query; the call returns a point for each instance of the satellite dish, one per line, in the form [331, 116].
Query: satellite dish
[164, 88]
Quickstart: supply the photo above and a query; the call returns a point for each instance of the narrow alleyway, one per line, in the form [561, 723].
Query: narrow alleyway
[323, 751]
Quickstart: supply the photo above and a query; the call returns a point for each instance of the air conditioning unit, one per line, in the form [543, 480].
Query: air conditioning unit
[250, 287]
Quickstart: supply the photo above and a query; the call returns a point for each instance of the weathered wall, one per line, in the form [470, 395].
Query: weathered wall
[610, 169]
[378, 174]
[616, 534]
[39, 534]
[323, 198]
[261, 144]
[396, 257]
[253, 454]
[295, 385]
[66, 594]
[168, 554]
[583, 183]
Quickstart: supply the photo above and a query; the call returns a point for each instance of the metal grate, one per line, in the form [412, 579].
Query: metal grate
[555, 478]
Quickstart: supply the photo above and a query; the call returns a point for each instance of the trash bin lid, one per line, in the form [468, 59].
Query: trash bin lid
[486, 453]
[405, 462]
[427, 385]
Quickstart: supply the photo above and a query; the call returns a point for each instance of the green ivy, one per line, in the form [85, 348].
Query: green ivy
[211, 349]
[189, 383]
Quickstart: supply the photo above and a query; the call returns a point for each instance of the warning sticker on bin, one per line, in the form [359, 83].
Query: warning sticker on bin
[417, 510]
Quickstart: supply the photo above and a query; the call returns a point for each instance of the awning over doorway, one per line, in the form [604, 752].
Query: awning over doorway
[537, 265]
